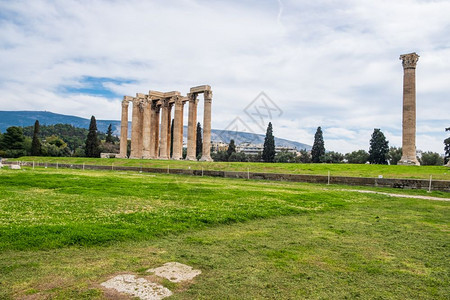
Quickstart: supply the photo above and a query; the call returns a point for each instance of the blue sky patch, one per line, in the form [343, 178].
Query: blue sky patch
[96, 86]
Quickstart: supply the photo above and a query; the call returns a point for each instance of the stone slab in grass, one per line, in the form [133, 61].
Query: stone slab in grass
[175, 272]
[137, 287]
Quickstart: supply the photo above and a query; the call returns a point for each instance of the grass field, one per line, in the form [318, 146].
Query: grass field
[353, 170]
[62, 232]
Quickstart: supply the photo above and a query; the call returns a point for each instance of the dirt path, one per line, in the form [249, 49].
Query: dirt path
[401, 195]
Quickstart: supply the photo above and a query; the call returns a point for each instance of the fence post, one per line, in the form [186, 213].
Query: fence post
[429, 187]
[328, 178]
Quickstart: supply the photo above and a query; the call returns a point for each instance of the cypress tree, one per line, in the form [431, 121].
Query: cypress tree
[268, 154]
[447, 148]
[36, 147]
[379, 148]
[109, 137]
[92, 143]
[231, 149]
[318, 148]
[199, 140]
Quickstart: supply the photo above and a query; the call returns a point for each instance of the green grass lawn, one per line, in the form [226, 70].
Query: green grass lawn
[62, 232]
[353, 170]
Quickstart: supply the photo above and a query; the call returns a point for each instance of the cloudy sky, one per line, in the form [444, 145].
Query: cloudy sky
[324, 63]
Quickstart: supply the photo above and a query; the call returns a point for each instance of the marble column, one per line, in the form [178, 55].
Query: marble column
[169, 133]
[140, 128]
[146, 129]
[192, 127]
[124, 129]
[153, 122]
[178, 130]
[409, 62]
[156, 129]
[164, 128]
[135, 129]
[206, 151]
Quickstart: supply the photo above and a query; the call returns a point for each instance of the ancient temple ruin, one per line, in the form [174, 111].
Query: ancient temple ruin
[150, 124]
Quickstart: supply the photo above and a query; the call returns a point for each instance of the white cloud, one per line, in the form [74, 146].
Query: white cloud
[325, 63]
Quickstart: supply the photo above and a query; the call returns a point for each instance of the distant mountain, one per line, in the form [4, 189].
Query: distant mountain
[27, 118]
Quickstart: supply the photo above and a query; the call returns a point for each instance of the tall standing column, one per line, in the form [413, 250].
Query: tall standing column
[178, 130]
[134, 129]
[156, 129]
[140, 127]
[169, 131]
[192, 127]
[164, 128]
[206, 151]
[146, 130]
[124, 129]
[153, 123]
[409, 62]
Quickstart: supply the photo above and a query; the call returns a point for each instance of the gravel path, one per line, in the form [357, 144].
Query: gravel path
[401, 195]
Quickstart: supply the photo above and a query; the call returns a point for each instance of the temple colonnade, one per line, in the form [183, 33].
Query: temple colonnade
[151, 124]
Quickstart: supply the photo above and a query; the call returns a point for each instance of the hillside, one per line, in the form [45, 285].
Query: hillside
[27, 118]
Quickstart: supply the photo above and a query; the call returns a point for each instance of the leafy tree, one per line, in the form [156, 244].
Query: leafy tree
[394, 155]
[92, 148]
[305, 157]
[238, 156]
[332, 157]
[285, 156]
[357, 157]
[36, 146]
[379, 148]
[431, 159]
[447, 147]
[199, 141]
[318, 149]
[231, 149]
[109, 137]
[268, 154]
[220, 156]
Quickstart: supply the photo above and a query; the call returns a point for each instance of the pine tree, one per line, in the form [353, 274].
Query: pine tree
[36, 147]
[268, 154]
[109, 137]
[231, 149]
[199, 149]
[92, 143]
[379, 148]
[318, 148]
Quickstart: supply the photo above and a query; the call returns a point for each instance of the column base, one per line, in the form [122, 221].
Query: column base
[406, 161]
[163, 157]
[191, 158]
[206, 158]
[177, 158]
[121, 156]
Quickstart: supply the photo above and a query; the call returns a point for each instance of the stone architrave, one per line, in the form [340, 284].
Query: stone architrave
[135, 129]
[146, 130]
[178, 130]
[206, 151]
[409, 62]
[124, 128]
[164, 128]
[192, 127]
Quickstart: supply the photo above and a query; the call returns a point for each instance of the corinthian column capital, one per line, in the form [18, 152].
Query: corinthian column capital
[409, 61]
